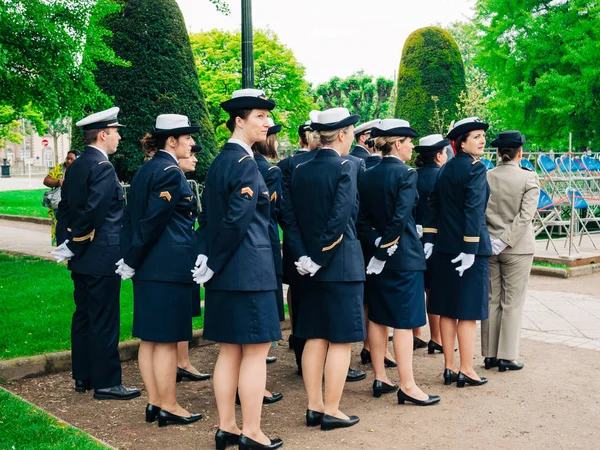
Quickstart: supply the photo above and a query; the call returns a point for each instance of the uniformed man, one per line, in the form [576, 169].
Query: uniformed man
[362, 134]
[89, 216]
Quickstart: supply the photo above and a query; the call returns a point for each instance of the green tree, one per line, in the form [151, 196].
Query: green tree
[542, 60]
[277, 72]
[11, 127]
[42, 60]
[362, 95]
[431, 66]
[161, 79]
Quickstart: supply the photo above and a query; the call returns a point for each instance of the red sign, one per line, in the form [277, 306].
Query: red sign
[45, 142]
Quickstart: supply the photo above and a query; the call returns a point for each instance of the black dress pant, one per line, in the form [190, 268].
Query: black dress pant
[95, 330]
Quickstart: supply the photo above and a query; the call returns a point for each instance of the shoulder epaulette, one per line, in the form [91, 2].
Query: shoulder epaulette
[410, 168]
[273, 167]
[104, 162]
[170, 167]
[526, 168]
[345, 161]
[476, 161]
[243, 158]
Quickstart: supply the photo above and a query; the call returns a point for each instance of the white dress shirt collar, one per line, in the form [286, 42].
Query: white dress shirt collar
[243, 145]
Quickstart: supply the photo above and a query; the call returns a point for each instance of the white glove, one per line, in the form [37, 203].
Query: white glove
[310, 266]
[300, 265]
[202, 275]
[391, 250]
[420, 231]
[377, 241]
[62, 252]
[428, 249]
[466, 261]
[375, 266]
[498, 246]
[201, 263]
[124, 270]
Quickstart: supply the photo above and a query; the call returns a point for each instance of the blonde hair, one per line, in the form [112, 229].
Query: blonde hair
[384, 144]
[327, 137]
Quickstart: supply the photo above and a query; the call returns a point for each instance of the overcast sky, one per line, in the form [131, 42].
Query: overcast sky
[335, 37]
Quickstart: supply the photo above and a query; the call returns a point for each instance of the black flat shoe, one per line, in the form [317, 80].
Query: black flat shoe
[151, 413]
[505, 364]
[365, 356]
[249, 444]
[433, 346]
[182, 373]
[432, 400]
[418, 343]
[224, 439]
[463, 379]
[380, 388]
[119, 392]
[271, 359]
[330, 422]
[313, 418]
[82, 385]
[490, 362]
[355, 375]
[450, 377]
[389, 363]
[274, 398]
[165, 418]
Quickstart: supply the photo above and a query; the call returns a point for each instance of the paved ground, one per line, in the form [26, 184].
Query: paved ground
[22, 183]
[27, 238]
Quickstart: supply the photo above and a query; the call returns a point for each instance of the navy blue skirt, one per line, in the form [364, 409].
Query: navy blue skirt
[162, 311]
[428, 274]
[330, 311]
[241, 317]
[399, 301]
[370, 288]
[279, 297]
[196, 309]
[463, 298]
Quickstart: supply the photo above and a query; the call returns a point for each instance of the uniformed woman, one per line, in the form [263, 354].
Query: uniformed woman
[431, 157]
[322, 238]
[513, 201]
[156, 244]
[388, 194]
[454, 229]
[236, 266]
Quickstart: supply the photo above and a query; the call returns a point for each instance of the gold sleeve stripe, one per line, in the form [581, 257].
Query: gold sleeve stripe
[89, 236]
[165, 195]
[344, 162]
[189, 199]
[104, 162]
[170, 167]
[243, 158]
[273, 167]
[476, 161]
[429, 230]
[471, 239]
[274, 196]
[389, 244]
[247, 190]
[69, 230]
[334, 244]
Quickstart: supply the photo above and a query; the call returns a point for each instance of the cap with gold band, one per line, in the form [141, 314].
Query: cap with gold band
[334, 119]
[100, 120]
[248, 99]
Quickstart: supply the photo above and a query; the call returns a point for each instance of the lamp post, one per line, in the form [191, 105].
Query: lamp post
[247, 46]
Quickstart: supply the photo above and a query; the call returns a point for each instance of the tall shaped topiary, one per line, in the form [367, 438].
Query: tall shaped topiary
[161, 79]
[430, 80]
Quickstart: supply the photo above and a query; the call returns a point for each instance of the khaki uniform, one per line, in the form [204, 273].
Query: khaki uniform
[512, 205]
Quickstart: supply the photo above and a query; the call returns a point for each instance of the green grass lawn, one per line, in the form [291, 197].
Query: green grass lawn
[23, 203]
[36, 307]
[23, 426]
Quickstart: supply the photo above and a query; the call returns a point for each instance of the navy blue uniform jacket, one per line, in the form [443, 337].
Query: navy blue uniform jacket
[158, 226]
[455, 215]
[360, 152]
[427, 176]
[372, 161]
[272, 176]
[389, 197]
[323, 210]
[90, 214]
[234, 224]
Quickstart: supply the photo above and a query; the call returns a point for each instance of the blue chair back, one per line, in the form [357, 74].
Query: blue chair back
[487, 163]
[580, 202]
[545, 201]
[591, 163]
[546, 163]
[527, 164]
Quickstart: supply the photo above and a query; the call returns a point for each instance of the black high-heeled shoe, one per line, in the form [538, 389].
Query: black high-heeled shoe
[274, 398]
[182, 373]
[463, 379]
[248, 444]
[380, 388]
[433, 346]
[165, 418]
[151, 413]
[313, 418]
[450, 377]
[490, 362]
[331, 422]
[505, 364]
[365, 356]
[224, 439]
[418, 343]
[432, 399]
